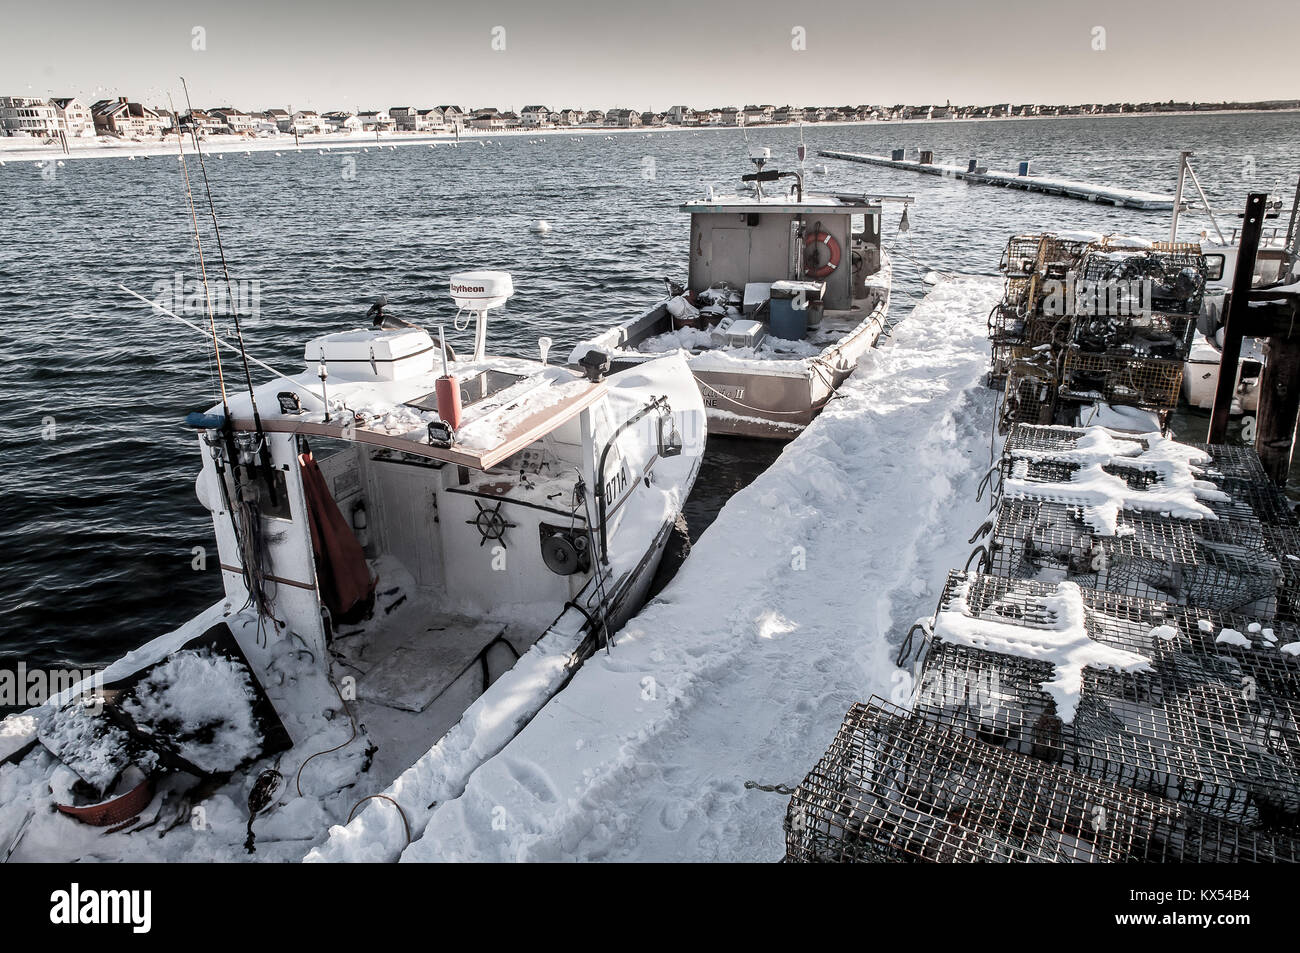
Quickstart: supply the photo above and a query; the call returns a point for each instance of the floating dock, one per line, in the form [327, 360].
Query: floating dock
[1107, 194]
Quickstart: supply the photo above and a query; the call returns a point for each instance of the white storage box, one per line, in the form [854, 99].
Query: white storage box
[731, 332]
[388, 355]
[756, 292]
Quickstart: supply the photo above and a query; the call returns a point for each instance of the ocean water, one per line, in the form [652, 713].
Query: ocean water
[100, 520]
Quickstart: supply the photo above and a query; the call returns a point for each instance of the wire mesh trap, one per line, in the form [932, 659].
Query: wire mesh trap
[1209, 724]
[1030, 389]
[902, 787]
[1122, 315]
[1149, 556]
[1173, 275]
[1238, 549]
[1122, 379]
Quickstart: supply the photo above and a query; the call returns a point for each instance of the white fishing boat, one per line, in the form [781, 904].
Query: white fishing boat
[401, 541]
[786, 290]
[1275, 264]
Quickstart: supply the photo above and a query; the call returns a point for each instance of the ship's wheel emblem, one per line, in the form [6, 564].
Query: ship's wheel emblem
[491, 524]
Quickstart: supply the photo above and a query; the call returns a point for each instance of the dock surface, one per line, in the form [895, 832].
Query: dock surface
[741, 670]
[1085, 191]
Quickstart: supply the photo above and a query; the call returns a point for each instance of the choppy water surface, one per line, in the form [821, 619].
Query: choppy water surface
[100, 518]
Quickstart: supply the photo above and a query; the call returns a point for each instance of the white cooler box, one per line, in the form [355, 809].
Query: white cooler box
[388, 355]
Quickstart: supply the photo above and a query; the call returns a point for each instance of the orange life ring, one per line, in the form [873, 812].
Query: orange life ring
[833, 248]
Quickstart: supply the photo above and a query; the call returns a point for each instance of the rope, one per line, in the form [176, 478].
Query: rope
[905, 650]
[383, 797]
[770, 788]
[298, 779]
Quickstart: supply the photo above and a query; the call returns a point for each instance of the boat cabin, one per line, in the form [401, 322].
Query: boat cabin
[757, 240]
[515, 509]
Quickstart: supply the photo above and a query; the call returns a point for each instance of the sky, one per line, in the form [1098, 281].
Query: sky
[651, 54]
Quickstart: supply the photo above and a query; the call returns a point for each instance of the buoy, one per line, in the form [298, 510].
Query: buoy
[541, 227]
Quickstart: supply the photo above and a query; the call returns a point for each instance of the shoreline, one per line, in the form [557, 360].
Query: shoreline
[17, 149]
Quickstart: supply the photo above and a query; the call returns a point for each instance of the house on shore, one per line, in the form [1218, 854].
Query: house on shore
[127, 120]
[374, 120]
[535, 117]
[237, 121]
[73, 116]
[404, 118]
[427, 120]
[342, 121]
[487, 118]
[623, 118]
[24, 116]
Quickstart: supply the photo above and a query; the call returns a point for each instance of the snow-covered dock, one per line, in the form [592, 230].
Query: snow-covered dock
[778, 622]
[1086, 191]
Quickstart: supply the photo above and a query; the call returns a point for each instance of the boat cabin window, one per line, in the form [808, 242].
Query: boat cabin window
[1214, 265]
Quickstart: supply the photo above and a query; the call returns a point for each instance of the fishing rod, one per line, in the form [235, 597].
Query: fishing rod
[219, 340]
[203, 271]
[242, 535]
[264, 451]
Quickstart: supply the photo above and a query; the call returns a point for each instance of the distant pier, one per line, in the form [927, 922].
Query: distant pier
[1107, 194]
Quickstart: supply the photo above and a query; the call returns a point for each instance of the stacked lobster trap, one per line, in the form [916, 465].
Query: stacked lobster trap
[896, 786]
[1192, 706]
[1179, 523]
[1087, 319]
[1119, 679]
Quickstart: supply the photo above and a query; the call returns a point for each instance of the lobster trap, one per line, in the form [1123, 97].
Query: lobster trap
[1190, 562]
[1210, 725]
[1122, 379]
[1021, 258]
[1030, 392]
[902, 787]
[1236, 549]
[1047, 255]
[1171, 275]
[1147, 336]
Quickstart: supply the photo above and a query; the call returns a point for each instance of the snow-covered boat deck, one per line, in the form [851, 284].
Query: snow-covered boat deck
[779, 621]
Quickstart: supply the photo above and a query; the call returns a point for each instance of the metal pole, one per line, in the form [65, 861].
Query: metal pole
[1178, 194]
[1293, 236]
[1252, 224]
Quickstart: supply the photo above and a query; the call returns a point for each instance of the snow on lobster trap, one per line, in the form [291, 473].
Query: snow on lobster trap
[1144, 517]
[1187, 705]
[904, 787]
